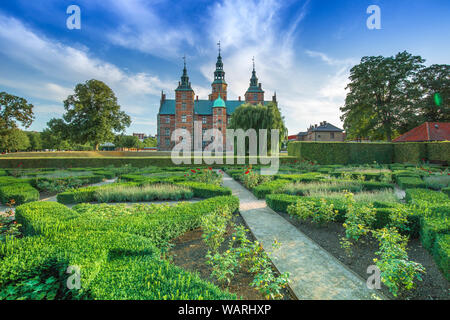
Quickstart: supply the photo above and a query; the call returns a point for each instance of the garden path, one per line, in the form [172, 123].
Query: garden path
[314, 273]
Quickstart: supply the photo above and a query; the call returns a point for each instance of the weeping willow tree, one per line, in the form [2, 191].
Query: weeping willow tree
[249, 116]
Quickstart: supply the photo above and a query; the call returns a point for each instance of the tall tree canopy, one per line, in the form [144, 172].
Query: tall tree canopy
[93, 114]
[433, 103]
[16, 140]
[257, 117]
[13, 109]
[382, 90]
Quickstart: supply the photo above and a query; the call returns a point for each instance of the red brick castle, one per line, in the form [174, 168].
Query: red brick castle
[215, 112]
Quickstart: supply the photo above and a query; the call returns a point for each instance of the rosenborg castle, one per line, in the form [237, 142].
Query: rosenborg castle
[181, 112]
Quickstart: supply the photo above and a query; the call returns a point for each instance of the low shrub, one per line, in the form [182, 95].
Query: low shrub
[410, 182]
[441, 253]
[20, 193]
[418, 195]
[269, 187]
[280, 202]
[117, 248]
[446, 191]
[204, 190]
[151, 192]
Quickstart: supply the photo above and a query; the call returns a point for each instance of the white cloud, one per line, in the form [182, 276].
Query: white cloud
[252, 28]
[59, 67]
[141, 28]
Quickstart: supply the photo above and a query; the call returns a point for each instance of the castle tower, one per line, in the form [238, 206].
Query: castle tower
[219, 109]
[255, 93]
[219, 85]
[184, 103]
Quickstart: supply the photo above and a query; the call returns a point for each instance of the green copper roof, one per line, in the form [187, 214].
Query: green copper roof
[201, 107]
[219, 103]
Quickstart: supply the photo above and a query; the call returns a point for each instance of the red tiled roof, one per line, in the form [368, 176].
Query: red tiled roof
[293, 137]
[428, 131]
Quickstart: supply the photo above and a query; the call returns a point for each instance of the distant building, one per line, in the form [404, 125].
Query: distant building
[140, 136]
[323, 132]
[428, 131]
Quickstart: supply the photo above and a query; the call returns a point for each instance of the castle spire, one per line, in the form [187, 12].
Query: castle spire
[219, 74]
[184, 83]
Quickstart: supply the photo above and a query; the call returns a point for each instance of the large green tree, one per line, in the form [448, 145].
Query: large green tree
[13, 109]
[16, 140]
[258, 117]
[382, 91]
[433, 103]
[35, 140]
[124, 141]
[93, 114]
[55, 137]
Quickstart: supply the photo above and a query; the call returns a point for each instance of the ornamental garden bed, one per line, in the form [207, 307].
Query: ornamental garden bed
[189, 252]
[433, 286]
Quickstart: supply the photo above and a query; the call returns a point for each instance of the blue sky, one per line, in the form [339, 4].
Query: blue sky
[303, 50]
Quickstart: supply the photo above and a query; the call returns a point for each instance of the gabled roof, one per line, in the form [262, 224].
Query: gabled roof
[326, 127]
[428, 131]
[302, 134]
[201, 107]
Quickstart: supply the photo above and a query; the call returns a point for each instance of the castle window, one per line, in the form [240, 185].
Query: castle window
[255, 97]
[167, 142]
[183, 106]
[167, 132]
[167, 119]
[204, 120]
[183, 96]
[183, 118]
[332, 135]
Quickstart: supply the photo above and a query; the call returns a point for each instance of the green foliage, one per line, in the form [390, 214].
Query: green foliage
[342, 152]
[397, 272]
[358, 219]
[410, 182]
[14, 109]
[320, 212]
[380, 94]
[441, 253]
[411, 152]
[417, 195]
[260, 191]
[439, 151]
[151, 192]
[92, 114]
[117, 249]
[280, 202]
[20, 193]
[249, 116]
[205, 190]
[214, 227]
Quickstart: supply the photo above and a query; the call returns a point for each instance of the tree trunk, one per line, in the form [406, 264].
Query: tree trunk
[96, 146]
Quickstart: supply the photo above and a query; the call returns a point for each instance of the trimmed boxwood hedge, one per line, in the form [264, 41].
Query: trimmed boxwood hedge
[446, 190]
[417, 195]
[411, 152]
[441, 253]
[206, 190]
[20, 193]
[359, 153]
[410, 182]
[342, 152]
[269, 187]
[118, 254]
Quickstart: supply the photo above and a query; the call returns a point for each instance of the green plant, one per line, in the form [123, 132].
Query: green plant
[397, 272]
[214, 227]
[20, 193]
[358, 219]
